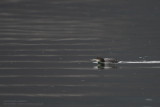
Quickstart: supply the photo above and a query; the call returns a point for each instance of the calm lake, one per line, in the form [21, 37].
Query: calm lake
[46, 47]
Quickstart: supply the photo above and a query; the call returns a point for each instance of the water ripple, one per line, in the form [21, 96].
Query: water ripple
[53, 50]
[49, 39]
[54, 94]
[46, 76]
[46, 68]
[41, 44]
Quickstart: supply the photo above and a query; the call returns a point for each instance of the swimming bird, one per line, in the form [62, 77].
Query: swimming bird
[101, 60]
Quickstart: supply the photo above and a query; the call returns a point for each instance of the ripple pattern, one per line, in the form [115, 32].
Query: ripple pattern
[46, 47]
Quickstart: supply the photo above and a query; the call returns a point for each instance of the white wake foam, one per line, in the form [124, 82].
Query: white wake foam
[139, 62]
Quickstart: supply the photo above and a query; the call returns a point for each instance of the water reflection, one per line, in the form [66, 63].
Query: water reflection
[106, 66]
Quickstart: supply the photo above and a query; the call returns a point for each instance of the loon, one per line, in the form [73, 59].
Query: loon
[101, 60]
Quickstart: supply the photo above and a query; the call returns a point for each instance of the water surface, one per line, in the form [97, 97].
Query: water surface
[46, 48]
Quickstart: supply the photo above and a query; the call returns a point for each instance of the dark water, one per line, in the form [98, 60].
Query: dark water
[46, 47]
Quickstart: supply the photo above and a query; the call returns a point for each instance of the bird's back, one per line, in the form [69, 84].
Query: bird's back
[111, 60]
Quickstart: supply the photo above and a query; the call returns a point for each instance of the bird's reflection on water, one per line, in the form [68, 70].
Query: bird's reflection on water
[105, 66]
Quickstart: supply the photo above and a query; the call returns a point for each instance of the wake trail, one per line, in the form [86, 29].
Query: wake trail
[139, 62]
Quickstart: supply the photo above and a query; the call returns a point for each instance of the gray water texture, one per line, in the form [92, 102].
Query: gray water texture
[46, 47]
